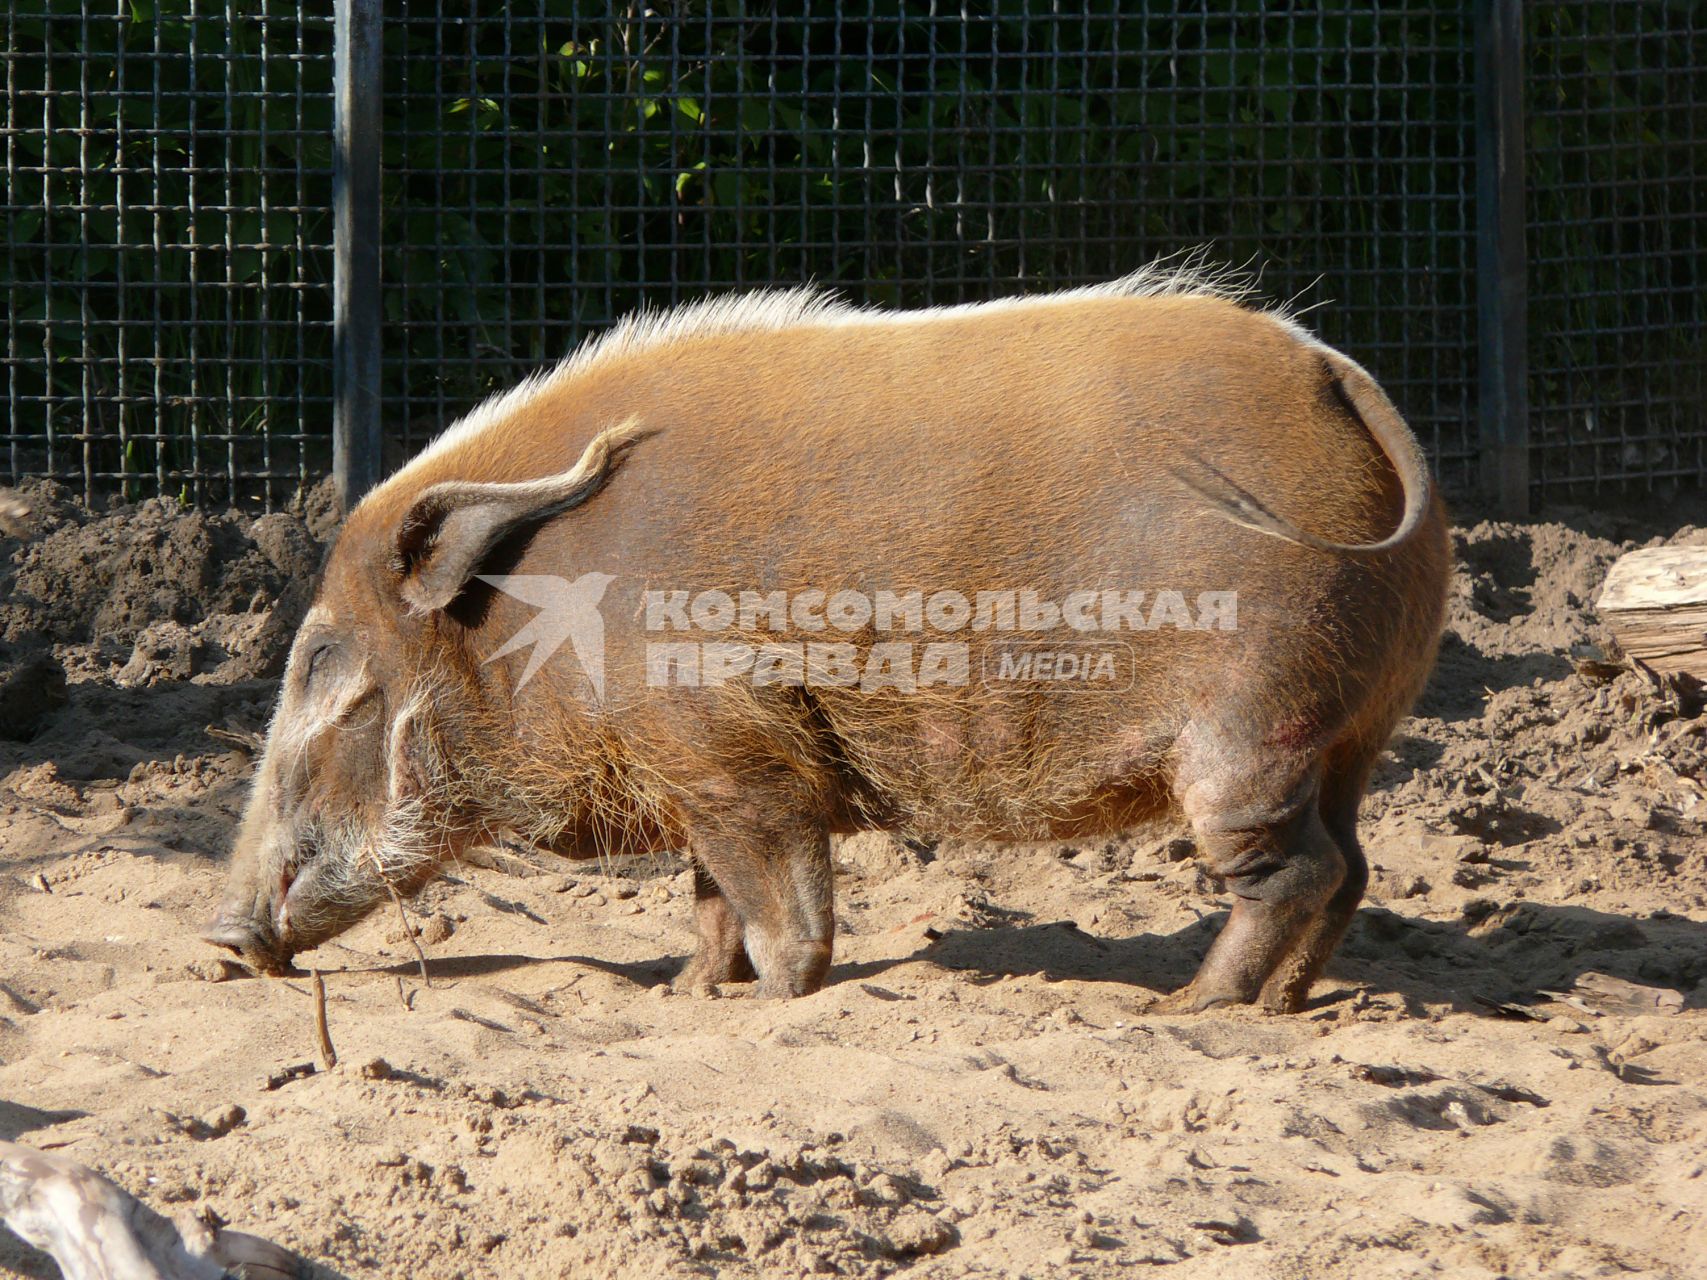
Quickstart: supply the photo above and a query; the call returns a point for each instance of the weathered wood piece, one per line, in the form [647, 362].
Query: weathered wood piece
[95, 1230]
[1603, 993]
[14, 514]
[1655, 601]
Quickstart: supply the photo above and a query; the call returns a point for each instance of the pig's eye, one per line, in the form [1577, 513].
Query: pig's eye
[307, 849]
[315, 659]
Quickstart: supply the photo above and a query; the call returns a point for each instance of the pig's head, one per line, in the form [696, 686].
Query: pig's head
[356, 796]
[342, 811]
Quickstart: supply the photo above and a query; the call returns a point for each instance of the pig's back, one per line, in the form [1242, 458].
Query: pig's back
[1037, 440]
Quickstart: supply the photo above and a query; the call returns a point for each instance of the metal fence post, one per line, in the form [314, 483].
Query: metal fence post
[1502, 287]
[356, 124]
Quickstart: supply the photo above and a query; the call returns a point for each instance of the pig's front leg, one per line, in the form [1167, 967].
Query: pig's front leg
[777, 882]
[721, 955]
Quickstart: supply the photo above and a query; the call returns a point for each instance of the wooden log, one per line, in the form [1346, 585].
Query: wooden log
[95, 1230]
[1655, 601]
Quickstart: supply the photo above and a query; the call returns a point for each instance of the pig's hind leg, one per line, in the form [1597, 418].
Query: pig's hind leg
[1258, 824]
[1342, 792]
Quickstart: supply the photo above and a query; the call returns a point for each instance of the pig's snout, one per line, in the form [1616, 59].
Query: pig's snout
[250, 937]
[233, 935]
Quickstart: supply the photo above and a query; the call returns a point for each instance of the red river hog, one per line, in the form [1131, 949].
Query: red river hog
[739, 577]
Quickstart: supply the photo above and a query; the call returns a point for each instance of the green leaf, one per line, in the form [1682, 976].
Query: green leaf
[688, 175]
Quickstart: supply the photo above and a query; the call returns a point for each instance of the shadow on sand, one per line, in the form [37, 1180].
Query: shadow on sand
[1506, 956]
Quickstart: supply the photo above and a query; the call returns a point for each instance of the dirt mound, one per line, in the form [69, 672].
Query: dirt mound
[1504, 1075]
[105, 580]
[1534, 766]
[150, 597]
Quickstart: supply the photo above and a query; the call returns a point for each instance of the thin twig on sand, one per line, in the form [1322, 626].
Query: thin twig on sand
[409, 933]
[328, 1055]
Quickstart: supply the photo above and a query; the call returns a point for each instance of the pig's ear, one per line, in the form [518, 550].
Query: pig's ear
[449, 531]
[452, 527]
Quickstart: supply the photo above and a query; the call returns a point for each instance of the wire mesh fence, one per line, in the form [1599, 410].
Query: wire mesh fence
[167, 180]
[1617, 183]
[554, 171]
[552, 164]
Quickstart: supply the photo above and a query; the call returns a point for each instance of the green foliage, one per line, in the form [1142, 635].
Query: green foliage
[1617, 116]
[169, 191]
[534, 192]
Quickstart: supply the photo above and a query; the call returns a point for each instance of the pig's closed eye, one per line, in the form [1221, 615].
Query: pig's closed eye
[315, 657]
[307, 849]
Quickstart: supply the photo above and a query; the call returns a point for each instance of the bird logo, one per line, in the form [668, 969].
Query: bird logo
[567, 611]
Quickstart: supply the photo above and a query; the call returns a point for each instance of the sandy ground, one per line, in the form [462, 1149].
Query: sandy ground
[980, 1090]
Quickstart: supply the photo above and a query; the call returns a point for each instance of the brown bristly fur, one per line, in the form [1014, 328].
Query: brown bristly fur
[1152, 434]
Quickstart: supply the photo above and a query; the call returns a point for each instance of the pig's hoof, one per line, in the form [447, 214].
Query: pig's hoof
[690, 982]
[713, 966]
[782, 989]
[1288, 987]
[701, 980]
[1284, 1001]
[1188, 999]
